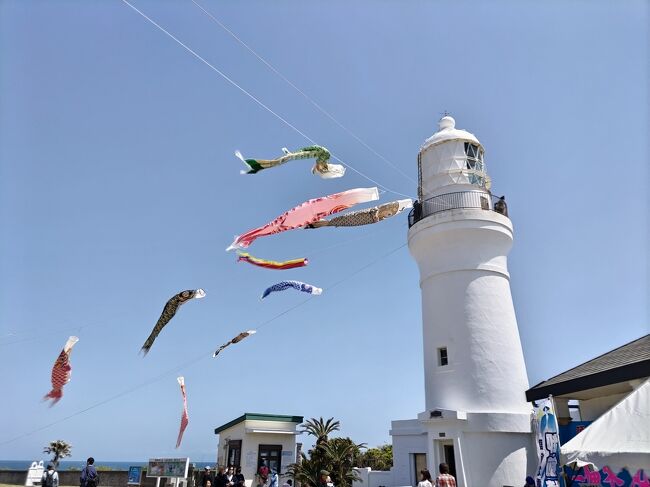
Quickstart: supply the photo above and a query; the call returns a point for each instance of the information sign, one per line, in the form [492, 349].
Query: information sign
[135, 474]
[168, 467]
[34, 474]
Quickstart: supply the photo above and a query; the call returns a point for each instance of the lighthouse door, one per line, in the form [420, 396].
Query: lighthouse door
[445, 453]
[450, 460]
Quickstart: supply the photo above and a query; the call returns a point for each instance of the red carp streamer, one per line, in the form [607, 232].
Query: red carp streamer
[185, 419]
[61, 372]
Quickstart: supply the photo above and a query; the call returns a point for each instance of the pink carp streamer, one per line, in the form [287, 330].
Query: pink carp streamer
[185, 419]
[306, 213]
[61, 372]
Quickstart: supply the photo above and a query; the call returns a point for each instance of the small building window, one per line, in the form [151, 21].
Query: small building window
[270, 456]
[234, 453]
[443, 359]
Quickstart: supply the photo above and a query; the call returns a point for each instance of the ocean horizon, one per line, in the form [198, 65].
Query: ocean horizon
[79, 464]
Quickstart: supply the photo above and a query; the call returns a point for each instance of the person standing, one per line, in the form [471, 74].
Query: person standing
[263, 475]
[274, 479]
[445, 479]
[239, 479]
[206, 477]
[426, 478]
[324, 480]
[500, 206]
[230, 477]
[50, 477]
[221, 480]
[89, 476]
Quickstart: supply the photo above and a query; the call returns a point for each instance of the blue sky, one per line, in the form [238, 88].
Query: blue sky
[119, 188]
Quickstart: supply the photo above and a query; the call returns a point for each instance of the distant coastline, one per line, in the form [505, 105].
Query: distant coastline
[78, 465]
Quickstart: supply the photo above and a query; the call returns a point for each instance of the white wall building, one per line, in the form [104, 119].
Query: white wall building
[253, 438]
[597, 385]
[477, 418]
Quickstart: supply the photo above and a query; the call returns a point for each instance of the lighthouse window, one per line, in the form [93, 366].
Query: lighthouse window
[442, 356]
[474, 157]
[471, 150]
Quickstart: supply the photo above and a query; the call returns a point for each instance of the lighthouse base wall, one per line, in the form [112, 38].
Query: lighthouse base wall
[489, 449]
[495, 459]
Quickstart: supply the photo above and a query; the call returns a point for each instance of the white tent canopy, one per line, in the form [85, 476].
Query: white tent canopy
[619, 438]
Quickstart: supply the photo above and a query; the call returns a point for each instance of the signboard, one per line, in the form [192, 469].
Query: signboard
[34, 474]
[548, 445]
[605, 477]
[168, 467]
[251, 460]
[135, 474]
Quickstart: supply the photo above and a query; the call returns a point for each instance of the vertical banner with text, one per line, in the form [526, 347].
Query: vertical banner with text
[547, 438]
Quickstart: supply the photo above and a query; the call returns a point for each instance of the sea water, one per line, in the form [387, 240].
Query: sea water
[78, 465]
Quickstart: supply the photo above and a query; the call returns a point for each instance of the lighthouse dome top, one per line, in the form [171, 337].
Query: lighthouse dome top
[447, 131]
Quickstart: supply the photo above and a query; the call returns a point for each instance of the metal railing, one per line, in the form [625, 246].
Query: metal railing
[452, 201]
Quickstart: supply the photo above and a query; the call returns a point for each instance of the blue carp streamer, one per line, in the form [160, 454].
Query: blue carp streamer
[297, 285]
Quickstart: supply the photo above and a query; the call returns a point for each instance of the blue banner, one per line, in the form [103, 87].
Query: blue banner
[135, 474]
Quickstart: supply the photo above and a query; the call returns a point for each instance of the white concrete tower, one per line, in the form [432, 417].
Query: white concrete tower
[476, 417]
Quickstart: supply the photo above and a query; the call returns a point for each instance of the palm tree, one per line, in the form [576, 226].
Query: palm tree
[305, 472]
[60, 449]
[321, 429]
[342, 454]
[337, 456]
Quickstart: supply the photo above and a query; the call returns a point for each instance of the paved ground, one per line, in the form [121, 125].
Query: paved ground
[15, 485]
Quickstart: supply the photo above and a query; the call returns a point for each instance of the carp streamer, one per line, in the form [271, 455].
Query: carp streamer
[237, 339]
[322, 167]
[297, 285]
[306, 213]
[185, 419]
[61, 372]
[365, 217]
[272, 264]
[168, 313]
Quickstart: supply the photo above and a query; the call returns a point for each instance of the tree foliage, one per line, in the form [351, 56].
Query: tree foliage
[342, 453]
[380, 458]
[60, 449]
[321, 429]
[337, 456]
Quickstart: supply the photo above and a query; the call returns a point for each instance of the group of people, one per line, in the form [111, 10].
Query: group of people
[89, 476]
[223, 478]
[444, 479]
[232, 477]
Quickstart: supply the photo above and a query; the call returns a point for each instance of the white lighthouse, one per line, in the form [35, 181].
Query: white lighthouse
[476, 418]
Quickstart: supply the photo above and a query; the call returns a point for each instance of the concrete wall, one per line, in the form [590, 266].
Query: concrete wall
[408, 437]
[373, 478]
[506, 465]
[108, 478]
[592, 409]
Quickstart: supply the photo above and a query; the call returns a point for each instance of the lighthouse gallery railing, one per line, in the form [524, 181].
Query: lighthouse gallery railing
[451, 201]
